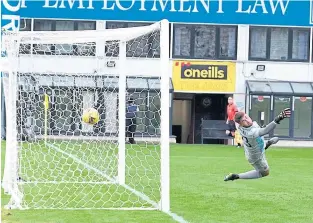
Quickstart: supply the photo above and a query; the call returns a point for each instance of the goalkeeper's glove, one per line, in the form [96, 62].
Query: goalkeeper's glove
[286, 113]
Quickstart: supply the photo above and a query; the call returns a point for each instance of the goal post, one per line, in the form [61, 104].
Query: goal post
[165, 103]
[56, 161]
[9, 79]
[122, 113]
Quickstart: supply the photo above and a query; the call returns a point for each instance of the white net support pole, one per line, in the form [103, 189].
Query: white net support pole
[7, 180]
[165, 103]
[7, 167]
[122, 114]
[10, 178]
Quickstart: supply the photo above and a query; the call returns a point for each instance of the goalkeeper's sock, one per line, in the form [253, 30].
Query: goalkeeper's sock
[253, 174]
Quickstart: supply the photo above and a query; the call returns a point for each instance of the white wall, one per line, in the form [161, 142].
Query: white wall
[151, 67]
[87, 65]
[273, 71]
[246, 70]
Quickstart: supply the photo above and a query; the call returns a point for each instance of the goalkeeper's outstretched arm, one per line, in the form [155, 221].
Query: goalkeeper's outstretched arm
[271, 126]
[267, 129]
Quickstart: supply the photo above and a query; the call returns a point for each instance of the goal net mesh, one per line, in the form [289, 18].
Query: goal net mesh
[56, 161]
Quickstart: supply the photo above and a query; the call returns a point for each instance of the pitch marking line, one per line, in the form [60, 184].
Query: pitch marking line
[139, 194]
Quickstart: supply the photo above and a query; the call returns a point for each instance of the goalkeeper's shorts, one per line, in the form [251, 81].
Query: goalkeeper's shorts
[261, 164]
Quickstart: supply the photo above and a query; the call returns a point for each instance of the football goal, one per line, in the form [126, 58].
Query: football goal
[53, 159]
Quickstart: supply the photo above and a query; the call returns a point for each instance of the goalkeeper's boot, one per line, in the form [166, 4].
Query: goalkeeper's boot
[272, 141]
[231, 176]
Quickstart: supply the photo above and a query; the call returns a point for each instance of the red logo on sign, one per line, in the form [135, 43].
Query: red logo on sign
[187, 64]
[260, 98]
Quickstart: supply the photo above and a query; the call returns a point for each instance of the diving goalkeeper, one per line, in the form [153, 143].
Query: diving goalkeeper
[254, 144]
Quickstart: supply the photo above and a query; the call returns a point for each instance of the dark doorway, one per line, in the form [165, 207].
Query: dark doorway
[210, 107]
[177, 131]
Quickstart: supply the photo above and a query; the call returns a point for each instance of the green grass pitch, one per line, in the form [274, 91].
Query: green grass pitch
[199, 194]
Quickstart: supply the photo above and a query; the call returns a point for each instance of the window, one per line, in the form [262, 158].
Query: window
[279, 44]
[228, 39]
[205, 41]
[204, 44]
[86, 25]
[259, 104]
[25, 25]
[147, 46]
[258, 41]
[302, 117]
[300, 44]
[259, 86]
[182, 39]
[280, 103]
[284, 87]
[83, 49]
[64, 25]
[302, 88]
[43, 25]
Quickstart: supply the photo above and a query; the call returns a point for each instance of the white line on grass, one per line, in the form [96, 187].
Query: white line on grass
[139, 194]
[143, 196]
[176, 217]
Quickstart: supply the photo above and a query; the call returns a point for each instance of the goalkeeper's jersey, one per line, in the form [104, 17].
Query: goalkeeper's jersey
[253, 143]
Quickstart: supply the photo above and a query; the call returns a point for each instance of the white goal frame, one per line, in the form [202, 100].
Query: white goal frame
[9, 64]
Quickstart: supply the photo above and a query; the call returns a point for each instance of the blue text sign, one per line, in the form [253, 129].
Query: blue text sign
[257, 12]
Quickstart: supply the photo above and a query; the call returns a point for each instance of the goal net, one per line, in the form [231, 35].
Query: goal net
[56, 161]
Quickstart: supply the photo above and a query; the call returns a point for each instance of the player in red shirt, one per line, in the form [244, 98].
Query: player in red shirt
[231, 111]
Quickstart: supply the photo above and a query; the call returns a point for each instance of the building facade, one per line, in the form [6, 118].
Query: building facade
[259, 52]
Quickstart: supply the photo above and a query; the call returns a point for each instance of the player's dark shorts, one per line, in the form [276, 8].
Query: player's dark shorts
[231, 126]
